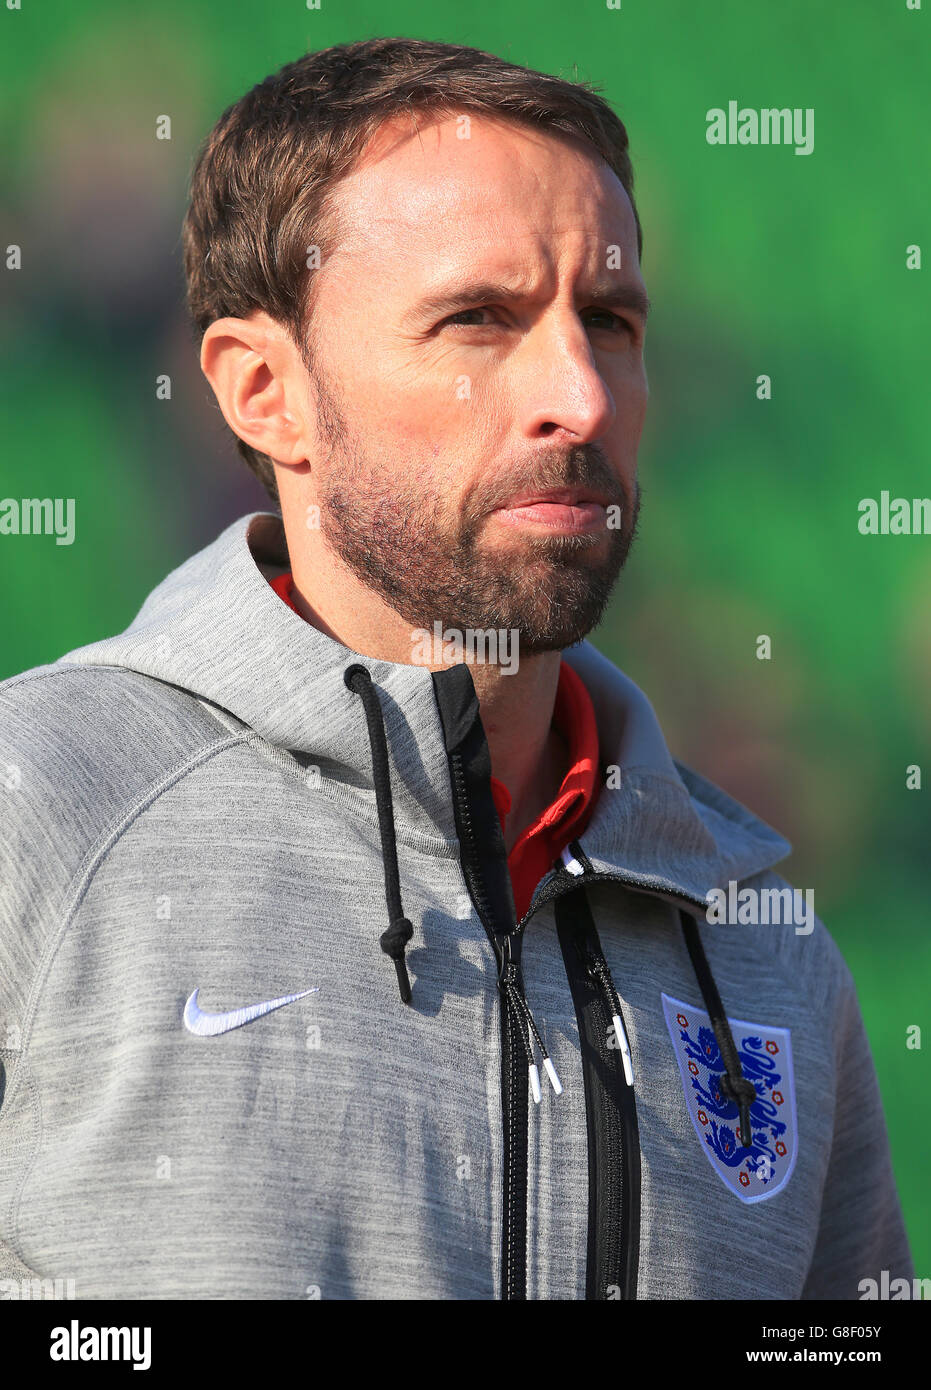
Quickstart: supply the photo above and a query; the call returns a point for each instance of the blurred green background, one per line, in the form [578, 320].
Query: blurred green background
[757, 260]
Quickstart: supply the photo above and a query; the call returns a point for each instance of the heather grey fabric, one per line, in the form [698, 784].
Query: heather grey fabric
[190, 805]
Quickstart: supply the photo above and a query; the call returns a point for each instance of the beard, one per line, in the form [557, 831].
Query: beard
[396, 534]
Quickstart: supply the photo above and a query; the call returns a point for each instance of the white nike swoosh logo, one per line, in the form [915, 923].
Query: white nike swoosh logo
[206, 1025]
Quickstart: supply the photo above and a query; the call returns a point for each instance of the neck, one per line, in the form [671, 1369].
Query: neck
[527, 753]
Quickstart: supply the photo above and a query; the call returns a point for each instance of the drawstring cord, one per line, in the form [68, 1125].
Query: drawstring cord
[598, 968]
[734, 1084]
[399, 931]
[512, 988]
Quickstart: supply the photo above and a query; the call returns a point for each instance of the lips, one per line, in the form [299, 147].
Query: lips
[565, 496]
[571, 510]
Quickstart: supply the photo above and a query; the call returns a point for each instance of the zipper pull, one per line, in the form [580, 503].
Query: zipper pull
[512, 984]
[625, 1049]
[599, 972]
[550, 1070]
[547, 1060]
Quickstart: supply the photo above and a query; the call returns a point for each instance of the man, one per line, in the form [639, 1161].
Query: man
[355, 917]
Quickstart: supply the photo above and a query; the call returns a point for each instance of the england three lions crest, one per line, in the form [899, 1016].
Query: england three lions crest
[764, 1168]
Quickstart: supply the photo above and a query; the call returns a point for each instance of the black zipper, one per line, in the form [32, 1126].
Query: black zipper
[613, 1135]
[614, 1195]
[613, 1253]
[515, 1087]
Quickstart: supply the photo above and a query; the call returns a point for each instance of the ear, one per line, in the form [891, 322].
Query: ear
[256, 373]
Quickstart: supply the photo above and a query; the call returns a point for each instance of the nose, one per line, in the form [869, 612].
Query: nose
[561, 390]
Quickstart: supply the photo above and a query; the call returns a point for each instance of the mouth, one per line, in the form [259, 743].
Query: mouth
[574, 511]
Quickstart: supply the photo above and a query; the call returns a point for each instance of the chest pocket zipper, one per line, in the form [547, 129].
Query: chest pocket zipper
[613, 1252]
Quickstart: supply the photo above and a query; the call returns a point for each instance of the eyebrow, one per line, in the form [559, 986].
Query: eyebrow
[607, 295]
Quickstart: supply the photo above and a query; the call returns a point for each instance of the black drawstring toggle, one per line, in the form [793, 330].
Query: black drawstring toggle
[393, 940]
[739, 1089]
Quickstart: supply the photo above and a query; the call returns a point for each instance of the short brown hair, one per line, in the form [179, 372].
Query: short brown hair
[260, 182]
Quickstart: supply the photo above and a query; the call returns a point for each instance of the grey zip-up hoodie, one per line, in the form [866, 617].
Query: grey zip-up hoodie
[207, 814]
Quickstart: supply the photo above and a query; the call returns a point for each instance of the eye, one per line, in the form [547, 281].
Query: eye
[614, 324]
[465, 318]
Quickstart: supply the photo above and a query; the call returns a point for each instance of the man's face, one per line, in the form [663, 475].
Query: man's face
[477, 343]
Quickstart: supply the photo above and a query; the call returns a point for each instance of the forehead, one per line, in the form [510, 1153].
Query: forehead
[462, 183]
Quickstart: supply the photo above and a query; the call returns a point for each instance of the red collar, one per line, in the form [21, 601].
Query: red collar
[567, 815]
[282, 587]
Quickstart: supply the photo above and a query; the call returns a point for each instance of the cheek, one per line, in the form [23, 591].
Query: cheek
[632, 394]
[630, 399]
[415, 413]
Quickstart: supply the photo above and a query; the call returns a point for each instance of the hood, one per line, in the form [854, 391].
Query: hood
[215, 627]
